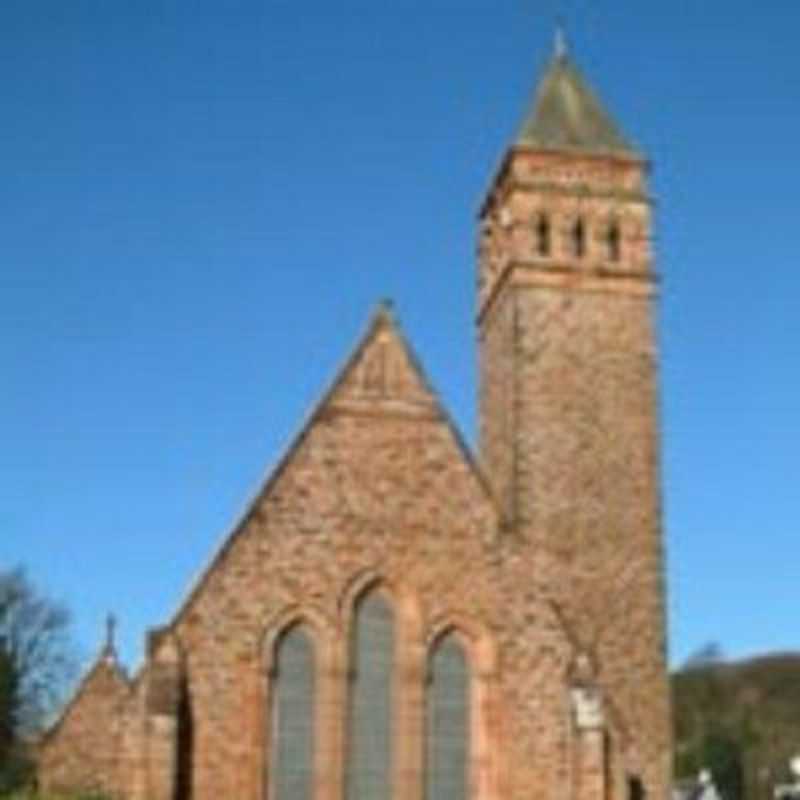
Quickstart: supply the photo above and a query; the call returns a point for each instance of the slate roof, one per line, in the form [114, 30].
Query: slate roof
[567, 115]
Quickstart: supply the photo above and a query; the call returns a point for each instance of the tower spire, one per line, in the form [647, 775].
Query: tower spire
[560, 44]
[567, 115]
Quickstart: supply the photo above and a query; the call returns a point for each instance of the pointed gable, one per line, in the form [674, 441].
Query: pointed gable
[382, 375]
[103, 682]
[82, 745]
[360, 454]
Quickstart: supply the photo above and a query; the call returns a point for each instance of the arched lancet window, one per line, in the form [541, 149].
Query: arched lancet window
[293, 717]
[448, 721]
[543, 235]
[613, 241]
[579, 238]
[369, 751]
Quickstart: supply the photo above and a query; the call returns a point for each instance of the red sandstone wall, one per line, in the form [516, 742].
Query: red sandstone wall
[377, 489]
[82, 751]
[567, 354]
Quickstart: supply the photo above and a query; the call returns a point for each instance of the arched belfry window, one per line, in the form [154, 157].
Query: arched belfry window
[579, 238]
[543, 235]
[369, 741]
[293, 717]
[448, 721]
[613, 241]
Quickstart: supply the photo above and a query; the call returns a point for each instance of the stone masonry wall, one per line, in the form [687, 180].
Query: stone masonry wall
[588, 450]
[499, 393]
[83, 750]
[377, 490]
[567, 352]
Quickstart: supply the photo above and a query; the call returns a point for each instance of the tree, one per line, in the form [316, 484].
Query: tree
[35, 664]
[722, 754]
[8, 703]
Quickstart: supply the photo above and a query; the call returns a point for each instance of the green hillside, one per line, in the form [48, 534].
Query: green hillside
[743, 717]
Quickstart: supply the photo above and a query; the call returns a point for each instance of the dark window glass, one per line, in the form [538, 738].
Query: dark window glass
[369, 763]
[293, 717]
[448, 722]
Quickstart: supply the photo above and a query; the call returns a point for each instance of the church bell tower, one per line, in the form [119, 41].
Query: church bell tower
[569, 431]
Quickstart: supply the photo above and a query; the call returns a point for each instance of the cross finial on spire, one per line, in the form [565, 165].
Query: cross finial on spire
[110, 650]
[561, 46]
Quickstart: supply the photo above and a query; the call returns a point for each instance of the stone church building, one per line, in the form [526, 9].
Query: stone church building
[396, 617]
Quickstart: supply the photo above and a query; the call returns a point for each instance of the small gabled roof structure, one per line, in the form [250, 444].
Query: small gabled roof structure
[106, 670]
[567, 115]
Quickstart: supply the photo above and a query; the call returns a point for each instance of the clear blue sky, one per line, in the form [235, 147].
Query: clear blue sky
[201, 202]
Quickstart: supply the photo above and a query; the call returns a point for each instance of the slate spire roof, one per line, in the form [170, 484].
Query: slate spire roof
[567, 114]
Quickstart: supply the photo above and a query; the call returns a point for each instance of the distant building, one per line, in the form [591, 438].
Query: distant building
[397, 618]
[790, 791]
[701, 788]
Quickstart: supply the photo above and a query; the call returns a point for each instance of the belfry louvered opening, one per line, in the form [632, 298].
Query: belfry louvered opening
[578, 237]
[293, 717]
[448, 722]
[543, 235]
[613, 241]
[369, 750]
